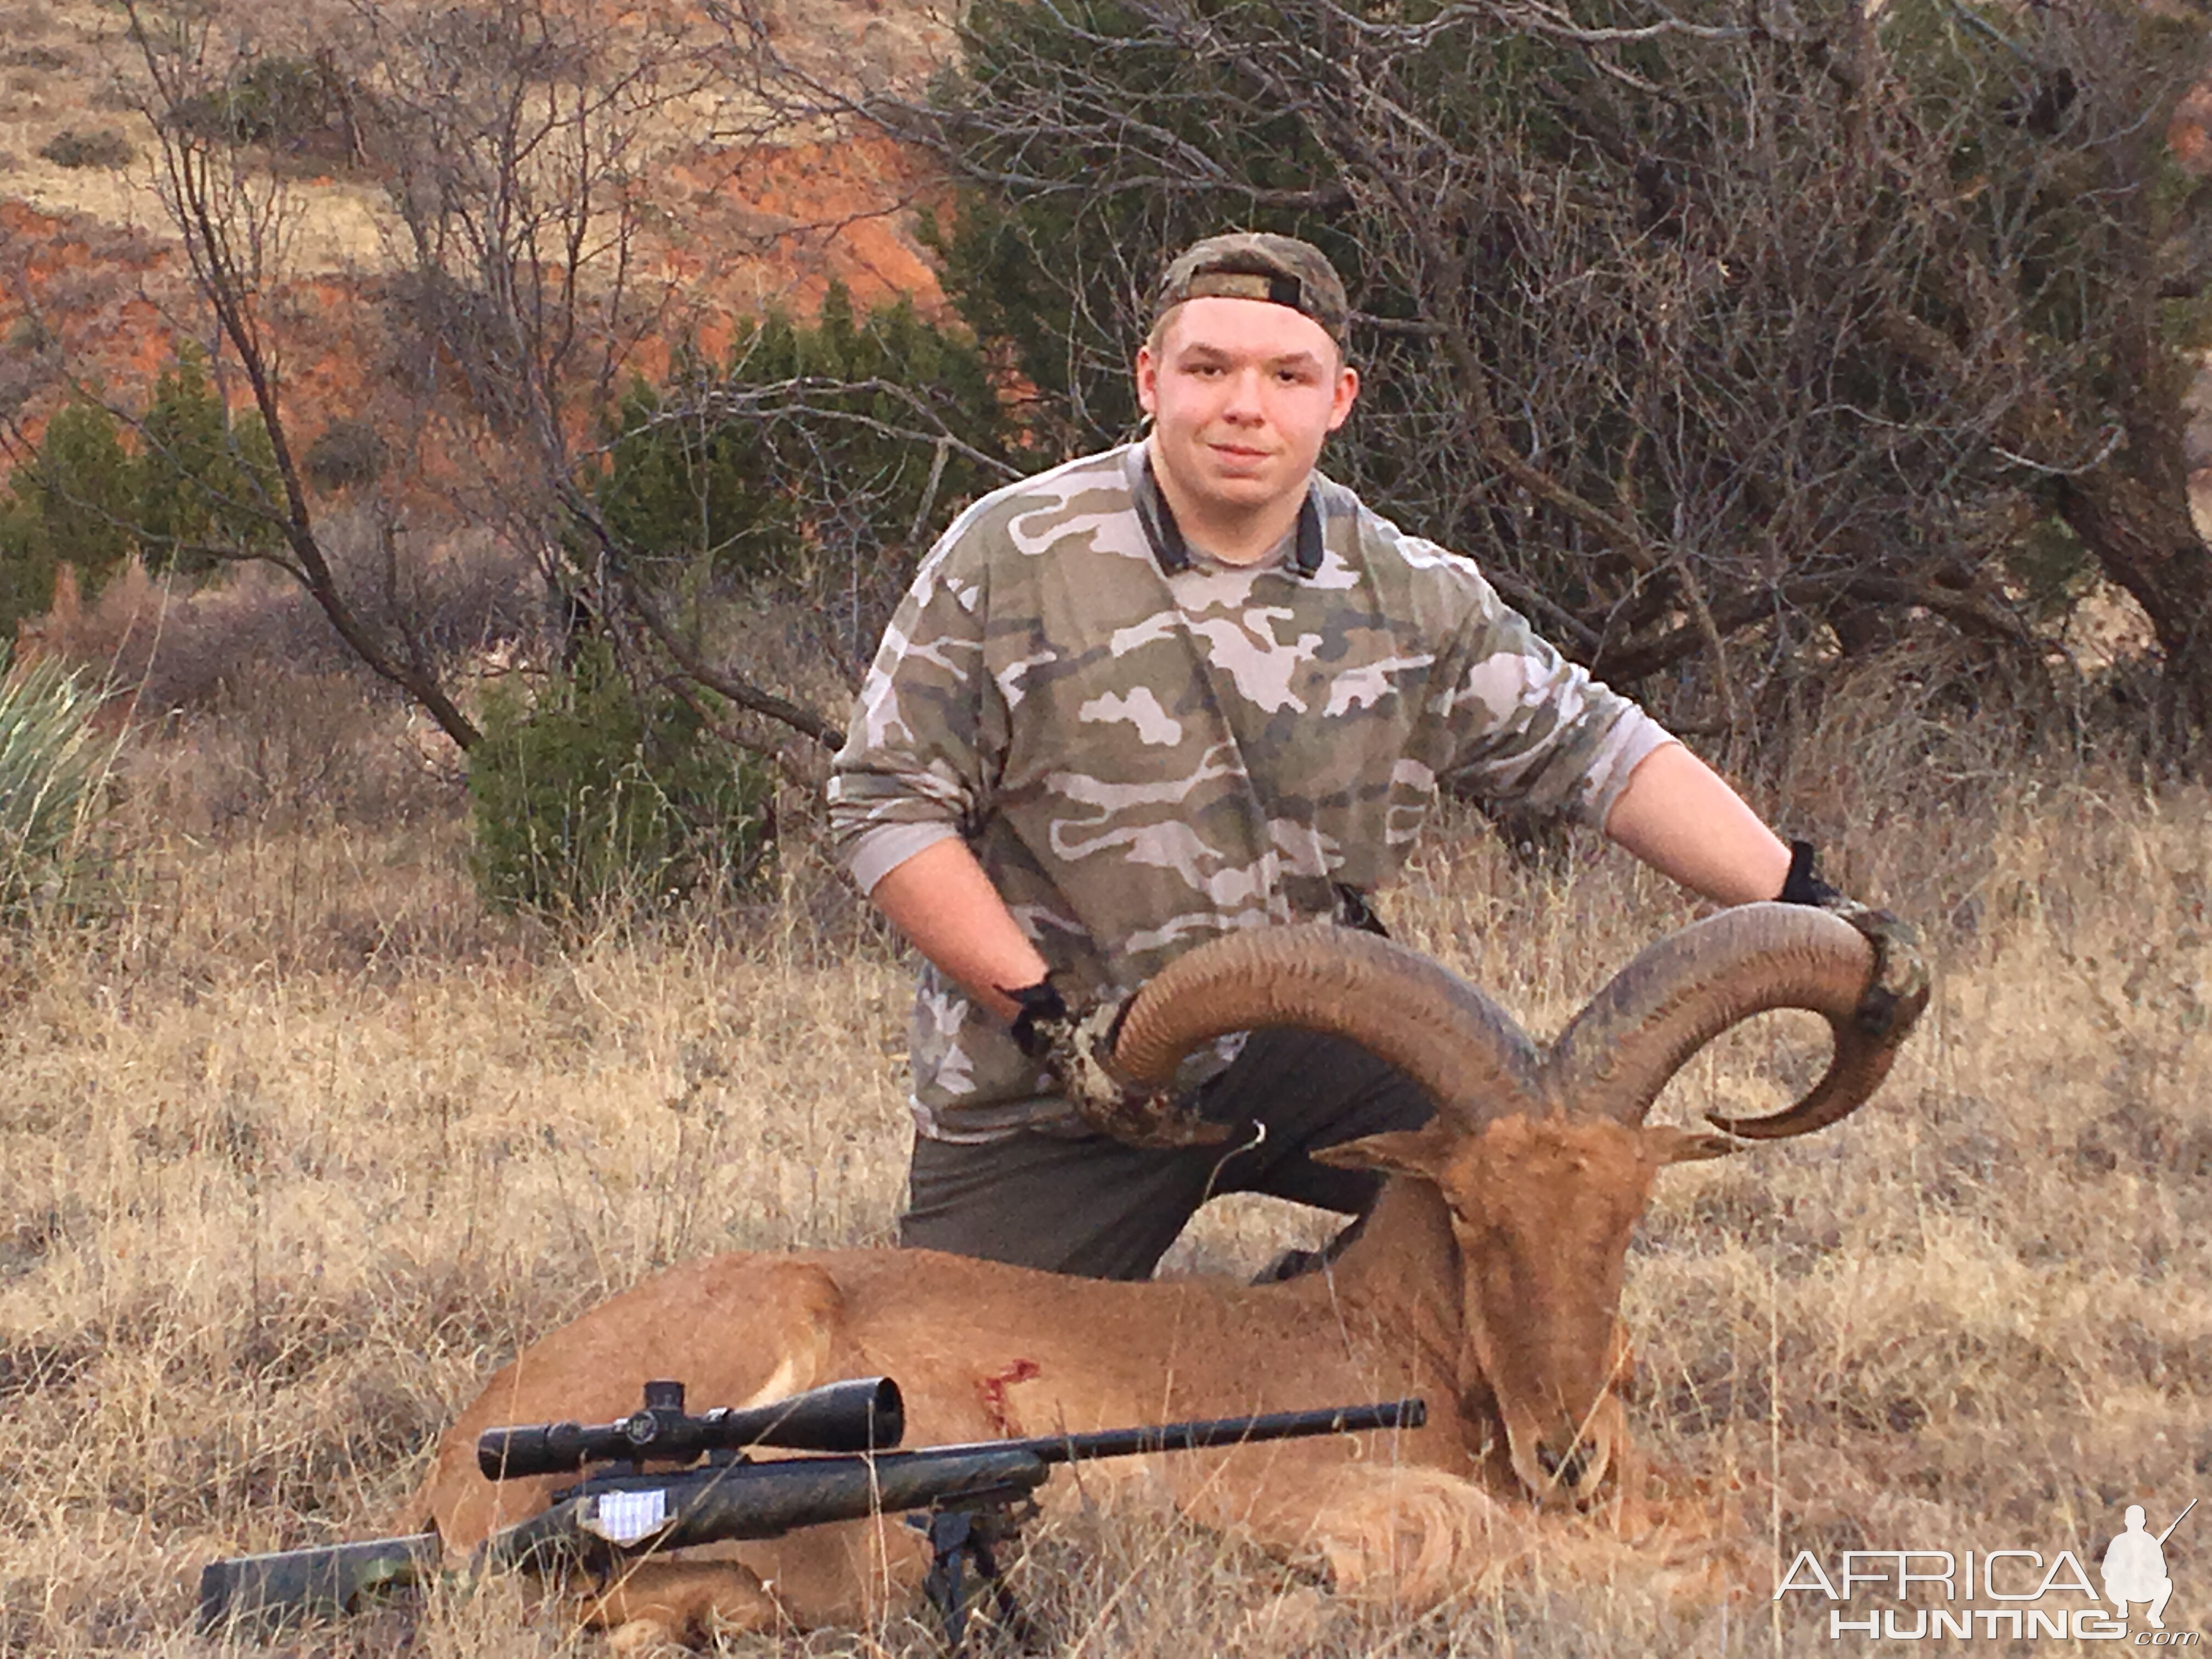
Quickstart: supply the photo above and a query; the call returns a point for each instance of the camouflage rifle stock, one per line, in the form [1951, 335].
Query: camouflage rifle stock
[609, 1517]
[841, 1417]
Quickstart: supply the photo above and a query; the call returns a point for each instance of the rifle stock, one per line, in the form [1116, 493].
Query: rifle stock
[627, 1513]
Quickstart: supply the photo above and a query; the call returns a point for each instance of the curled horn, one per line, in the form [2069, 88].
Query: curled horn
[1678, 995]
[1458, 1045]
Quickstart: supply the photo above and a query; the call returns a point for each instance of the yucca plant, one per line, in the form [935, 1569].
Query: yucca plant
[52, 768]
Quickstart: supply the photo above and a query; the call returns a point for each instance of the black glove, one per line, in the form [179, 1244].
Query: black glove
[1075, 1048]
[1043, 1016]
[1897, 988]
[1802, 886]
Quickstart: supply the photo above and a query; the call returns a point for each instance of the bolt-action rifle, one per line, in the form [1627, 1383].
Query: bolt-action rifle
[620, 1511]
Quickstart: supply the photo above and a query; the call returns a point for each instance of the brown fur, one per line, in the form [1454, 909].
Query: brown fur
[1520, 1354]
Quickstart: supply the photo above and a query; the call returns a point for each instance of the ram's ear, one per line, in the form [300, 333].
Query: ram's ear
[1672, 1146]
[1422, 1152]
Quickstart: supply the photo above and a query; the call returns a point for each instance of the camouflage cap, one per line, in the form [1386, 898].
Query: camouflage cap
[1256, 265]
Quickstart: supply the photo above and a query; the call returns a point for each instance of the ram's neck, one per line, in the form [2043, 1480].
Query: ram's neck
[1400, 1280]
[1405, 1254]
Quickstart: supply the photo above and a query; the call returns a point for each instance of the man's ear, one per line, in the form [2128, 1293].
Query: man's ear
[1347, 390]
[1147, 378]
[1422, 1152]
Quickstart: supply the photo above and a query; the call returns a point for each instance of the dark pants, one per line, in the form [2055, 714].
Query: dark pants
[1094, 1206]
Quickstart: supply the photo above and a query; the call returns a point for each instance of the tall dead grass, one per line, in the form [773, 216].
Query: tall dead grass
[300, 1143]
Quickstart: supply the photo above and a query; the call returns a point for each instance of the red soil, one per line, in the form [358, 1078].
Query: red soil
[745, 229]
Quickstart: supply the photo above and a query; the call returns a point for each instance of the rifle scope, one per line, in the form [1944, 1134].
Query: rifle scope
[860, 1415]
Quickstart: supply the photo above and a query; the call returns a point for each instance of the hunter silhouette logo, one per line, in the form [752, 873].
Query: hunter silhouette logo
[1999, 1595]
[2135, 1566]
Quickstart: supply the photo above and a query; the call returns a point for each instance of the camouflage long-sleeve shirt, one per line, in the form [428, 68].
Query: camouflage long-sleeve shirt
[1144, 749]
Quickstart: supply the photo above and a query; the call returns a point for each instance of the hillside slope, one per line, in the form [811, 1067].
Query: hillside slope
[740, 216]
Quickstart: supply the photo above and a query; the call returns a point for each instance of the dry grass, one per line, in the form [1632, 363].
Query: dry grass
[298, 1143]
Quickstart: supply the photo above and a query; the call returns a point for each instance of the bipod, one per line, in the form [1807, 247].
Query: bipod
[958, 1538]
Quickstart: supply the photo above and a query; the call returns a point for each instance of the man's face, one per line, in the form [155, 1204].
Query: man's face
[1242, 392]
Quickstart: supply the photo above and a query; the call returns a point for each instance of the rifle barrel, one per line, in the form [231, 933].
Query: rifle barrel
[1205, 1433]
[268, 1589]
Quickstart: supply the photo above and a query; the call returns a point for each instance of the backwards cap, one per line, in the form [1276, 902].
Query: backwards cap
[1257, 265]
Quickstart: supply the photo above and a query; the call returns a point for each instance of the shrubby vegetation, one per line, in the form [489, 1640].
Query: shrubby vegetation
[345, 455]
[1740, 353]
[276, 100]
[593, 794]
[103, 147]
[1748, 355]
[52, 774]
[797, 466]
[208, 489]
[804, 466]
[816, 457]
[73, 505]
[185, 487]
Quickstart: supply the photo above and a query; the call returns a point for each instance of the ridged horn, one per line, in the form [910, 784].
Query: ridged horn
[1677, 995]
[1464, 1050]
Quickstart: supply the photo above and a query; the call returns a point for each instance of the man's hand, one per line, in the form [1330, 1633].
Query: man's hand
[1076, 1048]
[1898, 989]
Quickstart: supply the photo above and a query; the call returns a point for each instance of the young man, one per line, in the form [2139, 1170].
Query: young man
[1185, 687]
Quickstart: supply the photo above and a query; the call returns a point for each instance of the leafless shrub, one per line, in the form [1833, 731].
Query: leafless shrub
[175, 648]
[447, 348]
[346, 453]
[87, 289]
[294, 749]
[107, 243]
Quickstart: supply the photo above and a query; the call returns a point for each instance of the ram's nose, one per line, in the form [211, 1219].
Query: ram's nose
[1568, 1468]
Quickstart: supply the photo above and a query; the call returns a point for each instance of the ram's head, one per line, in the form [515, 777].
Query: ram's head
[1545, 1161]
